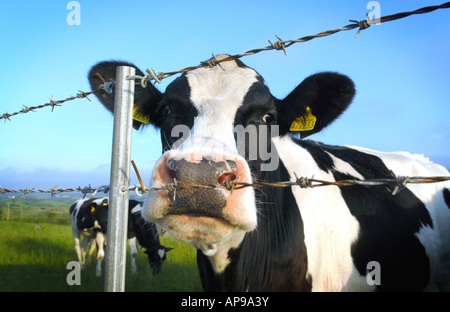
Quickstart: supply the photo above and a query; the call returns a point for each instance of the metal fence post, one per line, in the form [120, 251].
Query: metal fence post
[120, 175]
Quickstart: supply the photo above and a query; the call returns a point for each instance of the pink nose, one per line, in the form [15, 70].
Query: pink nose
[203, 172]
[198, 201]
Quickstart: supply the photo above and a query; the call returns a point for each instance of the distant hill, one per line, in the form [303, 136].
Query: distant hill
[61, 196]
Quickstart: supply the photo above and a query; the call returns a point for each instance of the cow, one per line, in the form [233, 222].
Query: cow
[90, 218]
[221, 125]
[84, 214]
[144, 234]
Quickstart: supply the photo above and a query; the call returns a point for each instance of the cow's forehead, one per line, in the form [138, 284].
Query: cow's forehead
[220, 88]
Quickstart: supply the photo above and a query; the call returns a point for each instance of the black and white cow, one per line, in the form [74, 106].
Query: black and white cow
[85, 214]
[221, 124]
[90, 218]
[144, 234]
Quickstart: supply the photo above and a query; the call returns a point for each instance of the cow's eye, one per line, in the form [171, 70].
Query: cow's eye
[165, 111]
[268, 118]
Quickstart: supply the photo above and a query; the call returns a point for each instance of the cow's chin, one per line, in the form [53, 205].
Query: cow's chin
[202, 232]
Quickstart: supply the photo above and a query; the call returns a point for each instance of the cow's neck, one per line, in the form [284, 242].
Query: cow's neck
[269, 256]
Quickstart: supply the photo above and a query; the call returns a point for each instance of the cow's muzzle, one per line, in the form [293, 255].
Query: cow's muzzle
[199, 199]
[192, 209]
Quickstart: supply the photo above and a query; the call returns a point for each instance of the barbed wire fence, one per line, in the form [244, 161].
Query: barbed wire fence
[278, 45]
[303, 182]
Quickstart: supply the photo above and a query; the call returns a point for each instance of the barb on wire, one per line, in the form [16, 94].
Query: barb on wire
[398, 182]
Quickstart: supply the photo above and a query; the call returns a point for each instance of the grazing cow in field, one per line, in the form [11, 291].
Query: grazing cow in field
[221, 124]
[90, 218]
[85, 214]
[144, 234]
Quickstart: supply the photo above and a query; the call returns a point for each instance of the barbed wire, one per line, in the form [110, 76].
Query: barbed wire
[52, 103]
[278, 45]
[283, 44]
[398, 182]
[53, 191]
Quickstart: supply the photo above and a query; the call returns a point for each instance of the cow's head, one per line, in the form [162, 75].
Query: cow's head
[99, 211]
[156, 257]
[216, 124]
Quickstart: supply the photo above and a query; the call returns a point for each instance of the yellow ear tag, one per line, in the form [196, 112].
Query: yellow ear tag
[140, 117]
[92, 209]
[305, 123]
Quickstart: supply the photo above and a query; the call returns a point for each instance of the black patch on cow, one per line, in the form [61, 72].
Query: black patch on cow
[257, 102]
[388, 223]
[174, 109]
[273, 257]
[208, 277]
[446, 193]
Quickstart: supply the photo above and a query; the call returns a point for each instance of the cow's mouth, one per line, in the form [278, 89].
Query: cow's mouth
[197, 214]
[201, 231]
[201, 226]
[201, 216]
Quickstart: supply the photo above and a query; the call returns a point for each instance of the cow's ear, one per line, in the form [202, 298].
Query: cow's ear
[315, 103]
[145, 99]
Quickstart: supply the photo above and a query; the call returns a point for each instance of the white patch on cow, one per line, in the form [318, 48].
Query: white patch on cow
[220, 259]
[436, 240]
[136, 208]
[217, 93]
[329, 227]
[345, 167]
[161, 253]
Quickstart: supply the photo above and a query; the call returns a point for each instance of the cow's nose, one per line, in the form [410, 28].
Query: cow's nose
[199, 201]
[204, 172]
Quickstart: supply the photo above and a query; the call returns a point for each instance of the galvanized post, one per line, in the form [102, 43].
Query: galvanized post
[120, 174]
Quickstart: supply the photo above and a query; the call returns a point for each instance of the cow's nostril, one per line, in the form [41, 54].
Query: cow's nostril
[172, 174]
[171, 170]
[226, 177]
[167, 172]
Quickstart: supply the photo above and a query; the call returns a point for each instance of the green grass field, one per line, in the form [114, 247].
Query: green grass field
[35, 250]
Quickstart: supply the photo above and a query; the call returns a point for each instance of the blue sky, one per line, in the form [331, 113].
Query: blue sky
[401, 71]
